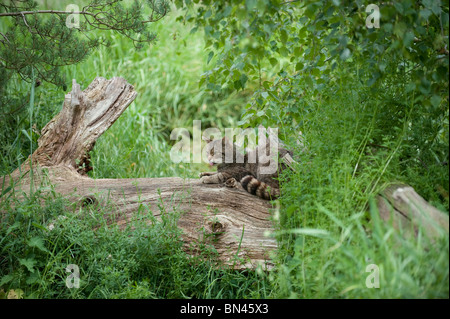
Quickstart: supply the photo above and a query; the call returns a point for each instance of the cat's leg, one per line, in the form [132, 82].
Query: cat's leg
[216, 178]
[210, 179]
[207, 174]
[231, 182]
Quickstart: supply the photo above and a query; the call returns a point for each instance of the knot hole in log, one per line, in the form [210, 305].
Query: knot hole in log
[216, 227]
[88, 201]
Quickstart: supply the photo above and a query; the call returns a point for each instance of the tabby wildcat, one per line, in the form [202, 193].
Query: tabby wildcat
[245, 173]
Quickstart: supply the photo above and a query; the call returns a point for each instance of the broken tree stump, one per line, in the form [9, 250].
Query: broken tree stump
[408, 211]
[237, 220]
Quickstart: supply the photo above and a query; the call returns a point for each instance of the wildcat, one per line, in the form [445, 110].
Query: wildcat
[248, 173]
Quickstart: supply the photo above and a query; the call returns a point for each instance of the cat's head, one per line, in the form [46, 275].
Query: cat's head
[215, 150]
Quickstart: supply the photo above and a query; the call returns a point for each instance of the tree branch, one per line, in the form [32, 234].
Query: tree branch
[23, 13]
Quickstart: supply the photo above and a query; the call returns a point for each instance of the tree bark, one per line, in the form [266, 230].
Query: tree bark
[233, 221]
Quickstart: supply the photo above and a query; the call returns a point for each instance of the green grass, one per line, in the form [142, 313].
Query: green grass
[146, 260]
[331, 196]
[327, 228]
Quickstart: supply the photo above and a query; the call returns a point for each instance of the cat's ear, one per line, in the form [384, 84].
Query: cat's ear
[206, 139]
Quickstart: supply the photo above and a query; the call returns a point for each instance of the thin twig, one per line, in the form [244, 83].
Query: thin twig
[21, 13]
[5, 37]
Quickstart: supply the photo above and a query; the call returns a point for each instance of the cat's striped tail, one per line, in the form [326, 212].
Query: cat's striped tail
[260, 189]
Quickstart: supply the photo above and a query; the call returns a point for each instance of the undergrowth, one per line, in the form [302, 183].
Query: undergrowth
[329, 226]
[43, 235]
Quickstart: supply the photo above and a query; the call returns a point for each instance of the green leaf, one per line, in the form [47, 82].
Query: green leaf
[308, 82]
[38, 243]
[251, 4]
[39, 226]
[201, 81]
[26, 134]
[243, 80]
[13, 227]
[6, 190]
[227, 11]
[399, 7]
[284, 51]
[425, 14]
[433, 5]
[273, 61]
[425, 85]
[435, 100]
[6, 279]
[283, 36]
[400, 29]
[410, 87]
[408, 38]
[210, 56]
[242, 122]
[29, 263]
[32, 278]
[208, 30]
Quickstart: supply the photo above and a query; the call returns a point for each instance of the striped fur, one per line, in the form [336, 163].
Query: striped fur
[246, 173]
[260, 189]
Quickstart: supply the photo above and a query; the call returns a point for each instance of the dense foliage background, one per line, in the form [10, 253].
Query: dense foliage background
[372, 106]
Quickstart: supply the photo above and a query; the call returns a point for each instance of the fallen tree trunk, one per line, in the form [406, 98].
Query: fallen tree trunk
[233, 221]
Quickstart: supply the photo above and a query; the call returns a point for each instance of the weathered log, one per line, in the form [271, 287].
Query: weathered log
[408, 211]
[233, 221]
